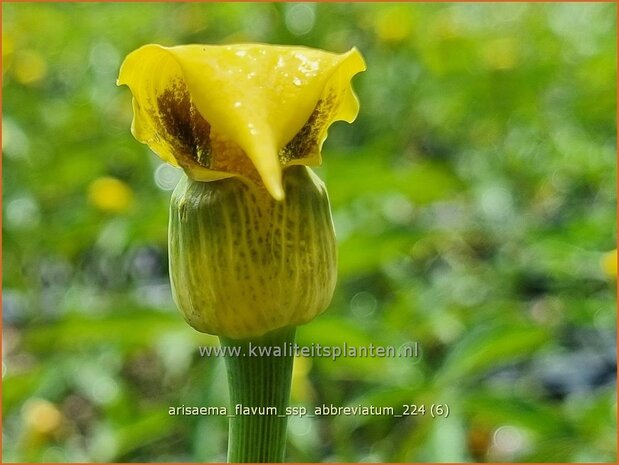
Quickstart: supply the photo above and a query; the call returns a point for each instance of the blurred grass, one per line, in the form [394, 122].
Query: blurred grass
[474, 202]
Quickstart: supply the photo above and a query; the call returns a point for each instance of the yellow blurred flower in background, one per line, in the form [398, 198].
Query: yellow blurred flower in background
[28, 67]
[110, 195]
[394, 25]
[609, 264]
[41, 417]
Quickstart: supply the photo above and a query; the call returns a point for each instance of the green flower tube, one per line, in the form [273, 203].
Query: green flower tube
[251, 241]
[242, 263]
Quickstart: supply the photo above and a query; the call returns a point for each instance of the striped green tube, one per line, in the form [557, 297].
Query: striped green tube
[259, 392]
[242, 263]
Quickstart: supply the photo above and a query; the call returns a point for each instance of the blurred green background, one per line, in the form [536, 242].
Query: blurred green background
[474, 202]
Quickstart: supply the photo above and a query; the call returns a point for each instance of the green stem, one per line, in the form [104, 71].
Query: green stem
[259, 381]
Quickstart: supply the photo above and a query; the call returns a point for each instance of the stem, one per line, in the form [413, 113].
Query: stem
[259, 381]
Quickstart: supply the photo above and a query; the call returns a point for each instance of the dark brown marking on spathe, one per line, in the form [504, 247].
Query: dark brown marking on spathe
[307, 139]
[186, 130]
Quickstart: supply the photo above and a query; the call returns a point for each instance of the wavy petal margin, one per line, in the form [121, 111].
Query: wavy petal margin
[243, 110]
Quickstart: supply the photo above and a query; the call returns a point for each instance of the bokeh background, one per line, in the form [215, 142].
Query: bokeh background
[474, 201]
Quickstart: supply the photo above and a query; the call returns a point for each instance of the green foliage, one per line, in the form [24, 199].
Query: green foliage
[474, 202]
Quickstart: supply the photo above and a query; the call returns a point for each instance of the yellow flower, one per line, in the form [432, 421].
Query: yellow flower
[244, 110]
[251, 240]
[394, 25]
[110, 195]
[41, 416]
[609, 264]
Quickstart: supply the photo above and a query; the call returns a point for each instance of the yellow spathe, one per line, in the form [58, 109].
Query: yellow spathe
[243, 110]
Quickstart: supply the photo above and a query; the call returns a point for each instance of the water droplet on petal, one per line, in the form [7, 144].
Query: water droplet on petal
[252, 129]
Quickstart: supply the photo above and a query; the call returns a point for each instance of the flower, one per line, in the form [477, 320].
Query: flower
[245, 110]
[110, 195]
[609, 264]
[251, 239]
[41, 417]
